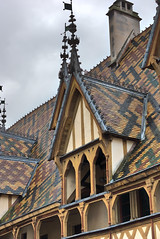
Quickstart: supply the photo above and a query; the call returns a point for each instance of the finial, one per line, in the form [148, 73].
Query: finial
[64, 55]
[64, 71]
[3, 114]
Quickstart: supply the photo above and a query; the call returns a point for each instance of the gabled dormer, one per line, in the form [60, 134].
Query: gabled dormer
[96, 124]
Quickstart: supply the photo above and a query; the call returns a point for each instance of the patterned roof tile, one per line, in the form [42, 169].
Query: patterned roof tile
[45, 186]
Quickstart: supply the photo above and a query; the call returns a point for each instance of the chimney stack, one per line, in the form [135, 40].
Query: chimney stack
[122, 22]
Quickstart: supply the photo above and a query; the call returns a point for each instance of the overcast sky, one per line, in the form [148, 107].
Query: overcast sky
[30, 45]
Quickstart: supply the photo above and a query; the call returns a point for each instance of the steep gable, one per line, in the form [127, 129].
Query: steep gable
[84, 129]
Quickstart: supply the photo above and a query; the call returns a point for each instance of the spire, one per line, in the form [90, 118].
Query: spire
[2, 112]
[74, 66]
[63, 74]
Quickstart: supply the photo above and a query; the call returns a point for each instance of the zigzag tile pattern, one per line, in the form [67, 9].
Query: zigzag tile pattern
[121, 110]
[14, 145]
[15, 175]
[146, 152]
[45, 187]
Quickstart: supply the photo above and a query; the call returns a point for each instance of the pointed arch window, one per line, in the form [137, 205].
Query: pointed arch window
[70, 188]
[100, 171]
[85, 178]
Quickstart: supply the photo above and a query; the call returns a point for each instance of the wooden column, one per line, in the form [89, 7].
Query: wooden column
[61, 217]
[81, 206]
[92, 178]
[78, 184]
[15, 232]
[149, 184]
[36, 227]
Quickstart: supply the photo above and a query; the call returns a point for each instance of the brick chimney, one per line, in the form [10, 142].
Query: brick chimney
[122, 22]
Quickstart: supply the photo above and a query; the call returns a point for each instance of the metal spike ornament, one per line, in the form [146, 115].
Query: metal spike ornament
[3, 120]
[64, 71]
[2, 113]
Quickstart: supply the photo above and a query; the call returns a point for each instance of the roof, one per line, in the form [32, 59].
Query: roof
[152, 37]
[146, 153]
[44, 187]
[122, 110]
[12, 144]
[125, 103]
[15, 174]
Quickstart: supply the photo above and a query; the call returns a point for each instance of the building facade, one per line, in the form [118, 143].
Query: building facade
[86, 163]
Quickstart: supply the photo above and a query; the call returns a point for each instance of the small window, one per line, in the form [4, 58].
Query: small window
[24, 236]
[44, 237]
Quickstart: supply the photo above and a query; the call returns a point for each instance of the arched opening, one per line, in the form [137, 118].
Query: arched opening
[100, 171]
[131, 205]
[74, 222]
[97, 216]
[26, 232]
[156, 198]
[7, 236]
[123, 208]
[70, 183]
[143, 203]
[50, 228]
[85, 178]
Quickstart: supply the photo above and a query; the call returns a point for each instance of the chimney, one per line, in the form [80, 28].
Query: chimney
[123, 22]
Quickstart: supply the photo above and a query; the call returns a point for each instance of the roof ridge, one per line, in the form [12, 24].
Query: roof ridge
[19, 135]
[107, 57]
[36, 108]
[124, 85]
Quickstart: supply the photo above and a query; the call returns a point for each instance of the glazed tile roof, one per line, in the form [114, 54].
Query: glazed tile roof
[14, 145]
[146, 152]
[15, 174]
[122, 110]
[129, 104]
[44, 187]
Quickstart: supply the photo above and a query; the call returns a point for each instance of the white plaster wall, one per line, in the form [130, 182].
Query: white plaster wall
[87, 124]
[129, 145]
[78, 127]
[3, 204]
[96, 134]
[117, 153]
[70, 144]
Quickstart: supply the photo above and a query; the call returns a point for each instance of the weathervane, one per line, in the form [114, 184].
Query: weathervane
[2, 112]
[74, 65]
